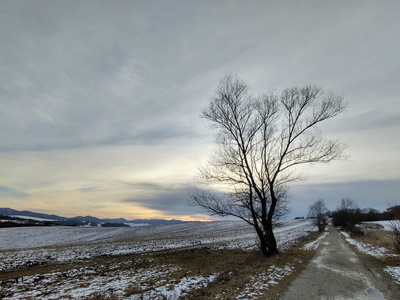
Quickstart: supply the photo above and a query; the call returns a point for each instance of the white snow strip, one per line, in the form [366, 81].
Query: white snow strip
[314, 244]
[367, 248]
[174, 291]
[32, 218]
[384, 225]
[394, 272]
[254, 289]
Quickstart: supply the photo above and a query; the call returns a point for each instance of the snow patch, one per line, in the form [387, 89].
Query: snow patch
[314, 245]
[394, 272]
[83, 282]
[174, 291]
[254, 289]
[383, 225]
[367, 248]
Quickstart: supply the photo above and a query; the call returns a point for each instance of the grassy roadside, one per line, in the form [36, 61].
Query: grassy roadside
[380, 238]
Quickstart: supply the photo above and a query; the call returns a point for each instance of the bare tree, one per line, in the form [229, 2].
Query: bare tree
[318, 212]
[260, 141]
[348, 204]
[395, 226]
[347, 216]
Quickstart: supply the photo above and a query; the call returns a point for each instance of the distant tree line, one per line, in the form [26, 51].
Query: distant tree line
[8, 221]
[396, 233]
[349, 214]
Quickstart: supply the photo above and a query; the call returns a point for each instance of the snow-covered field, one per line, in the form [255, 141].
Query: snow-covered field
[25, 247]
[382, 225]
[119, 280]
[21, 248]
[187, 233]
[394, 272]
[314, 244]
[263, 281]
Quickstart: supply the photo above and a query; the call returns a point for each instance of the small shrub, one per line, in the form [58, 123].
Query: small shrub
[134, 290]
[373, 226]
[396, 232]
[99, 296]
[356, 231]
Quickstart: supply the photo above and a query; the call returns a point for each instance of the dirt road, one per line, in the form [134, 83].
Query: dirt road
[337, 272]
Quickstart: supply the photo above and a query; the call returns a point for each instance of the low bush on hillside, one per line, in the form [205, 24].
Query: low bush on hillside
[396, 232]
[347, 219]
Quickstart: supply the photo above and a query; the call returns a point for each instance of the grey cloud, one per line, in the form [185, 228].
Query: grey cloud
[365, 121]
[171, 200]
[11, 192]
[52, 138]
[378, 194]
[76, 77]
[143, 185]
[93, 73]
[372, 120]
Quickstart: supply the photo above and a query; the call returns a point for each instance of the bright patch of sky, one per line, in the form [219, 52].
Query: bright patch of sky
[100, 100]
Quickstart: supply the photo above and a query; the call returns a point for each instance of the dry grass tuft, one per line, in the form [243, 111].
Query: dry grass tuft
[377, 238]
[396, 235]
[380, 238]
[101, 297]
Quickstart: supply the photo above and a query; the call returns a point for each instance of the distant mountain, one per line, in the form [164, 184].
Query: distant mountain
[88, 220]
[13, 212]
[156, 221]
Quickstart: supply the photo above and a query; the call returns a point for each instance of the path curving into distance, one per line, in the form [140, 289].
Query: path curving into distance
[336, 272]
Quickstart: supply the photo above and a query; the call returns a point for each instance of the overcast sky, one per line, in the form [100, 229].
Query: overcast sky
[100, 101]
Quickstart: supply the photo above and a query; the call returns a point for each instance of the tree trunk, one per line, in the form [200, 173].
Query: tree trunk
[269, 237]
[267, 243]
[271, 242]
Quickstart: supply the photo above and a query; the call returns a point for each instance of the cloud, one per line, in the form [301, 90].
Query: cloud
[83, 75]
[75, 80]
[378, 194]
[7, 192]
[360, 122]
[170, 200]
